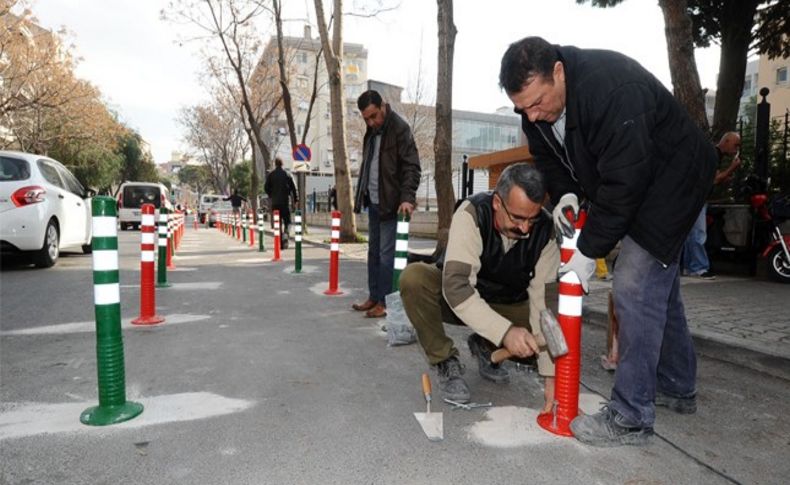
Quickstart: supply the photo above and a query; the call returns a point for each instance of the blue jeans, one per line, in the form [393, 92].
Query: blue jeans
[695, 259]
[381, 254]
[656, 350]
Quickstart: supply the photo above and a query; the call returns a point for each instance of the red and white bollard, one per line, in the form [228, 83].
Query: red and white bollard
[171, 246]
[334, 256]
[567, 367]
[148, 314]
[276, 219]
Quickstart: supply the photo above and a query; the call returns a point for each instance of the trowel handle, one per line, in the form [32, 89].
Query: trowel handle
[426, 386]
[500, 355]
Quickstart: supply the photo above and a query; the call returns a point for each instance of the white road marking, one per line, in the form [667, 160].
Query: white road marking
[307, 269]
[18, 420]
[79, 327]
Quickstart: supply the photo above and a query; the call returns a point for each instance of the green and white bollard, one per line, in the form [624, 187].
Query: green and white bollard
[161, 270]
[298, 239]
[401, 249]
[244, 227]
[113, 406]
[261, 244]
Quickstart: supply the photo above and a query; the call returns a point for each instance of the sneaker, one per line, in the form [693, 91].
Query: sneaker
[451, 383]
[681, 405]
[608, 428]
[707, 275]
[488, 370]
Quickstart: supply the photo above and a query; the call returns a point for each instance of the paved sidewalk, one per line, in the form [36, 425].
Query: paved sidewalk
[747, 313]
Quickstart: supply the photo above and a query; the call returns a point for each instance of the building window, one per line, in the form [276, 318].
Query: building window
[781, 75]
[303, 57]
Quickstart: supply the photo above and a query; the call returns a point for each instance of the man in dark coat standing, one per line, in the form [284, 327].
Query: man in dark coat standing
[388, 181]
[603, 129]
[279, 186]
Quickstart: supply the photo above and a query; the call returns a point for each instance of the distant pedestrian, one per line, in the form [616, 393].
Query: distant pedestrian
[387, 186]
[695, 258]
[333, 197]
[236, 201]
[279, 186]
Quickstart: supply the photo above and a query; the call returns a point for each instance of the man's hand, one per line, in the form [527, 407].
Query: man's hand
[520, 342]
[567, 206]
[583, 266]
[406, 207]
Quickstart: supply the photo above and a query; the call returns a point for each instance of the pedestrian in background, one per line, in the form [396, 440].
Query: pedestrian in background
[387, 186]
[603, 128]
[235, 202]
[280, 188]
[695, 258]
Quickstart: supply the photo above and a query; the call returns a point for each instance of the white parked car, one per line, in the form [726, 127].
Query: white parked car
[43, 208]
[205, 205]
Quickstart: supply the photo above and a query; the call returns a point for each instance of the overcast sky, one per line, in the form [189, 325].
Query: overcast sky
[133, 57]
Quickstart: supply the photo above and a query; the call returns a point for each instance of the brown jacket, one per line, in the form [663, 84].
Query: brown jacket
[399, 167]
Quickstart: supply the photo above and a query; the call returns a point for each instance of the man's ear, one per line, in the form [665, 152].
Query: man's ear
[559, 72]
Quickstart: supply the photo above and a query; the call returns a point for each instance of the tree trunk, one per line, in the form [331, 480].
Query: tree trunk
[289, 114]
[682, 65]
[333, 56]
[737, 19]
[443, 170]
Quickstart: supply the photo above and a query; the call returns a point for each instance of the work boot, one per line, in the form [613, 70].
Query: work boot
[681, 405]
[608, 428]
[451, 383]
[488, 370]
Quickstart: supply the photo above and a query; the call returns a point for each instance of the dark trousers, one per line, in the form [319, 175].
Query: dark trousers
[656, 350]
[381, 254]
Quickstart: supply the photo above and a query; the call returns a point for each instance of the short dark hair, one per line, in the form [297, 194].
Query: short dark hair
[367, 98]
[278, 161]
[526, 177]
[525, 59]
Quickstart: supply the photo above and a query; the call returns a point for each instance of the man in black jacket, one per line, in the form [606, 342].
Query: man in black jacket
[279, 186]
[388, 181]
[602, 128]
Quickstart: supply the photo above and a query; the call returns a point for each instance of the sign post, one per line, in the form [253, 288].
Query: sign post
[302, 156]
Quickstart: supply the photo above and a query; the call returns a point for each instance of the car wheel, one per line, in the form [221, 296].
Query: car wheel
[87, 248]
[48, 254]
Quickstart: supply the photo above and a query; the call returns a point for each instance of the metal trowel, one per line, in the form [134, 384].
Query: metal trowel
[432, 424]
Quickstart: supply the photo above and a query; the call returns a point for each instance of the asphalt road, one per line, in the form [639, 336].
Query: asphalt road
[257, 377]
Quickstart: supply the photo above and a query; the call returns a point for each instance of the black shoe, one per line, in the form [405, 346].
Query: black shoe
[608, 428]
[451, 383]
[707, 275]
[681, 405]
[488, 370]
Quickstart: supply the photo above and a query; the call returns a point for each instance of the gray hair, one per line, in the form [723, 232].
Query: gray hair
[524, 176]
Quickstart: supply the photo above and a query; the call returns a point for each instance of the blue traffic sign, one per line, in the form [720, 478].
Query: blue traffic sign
[302, 153]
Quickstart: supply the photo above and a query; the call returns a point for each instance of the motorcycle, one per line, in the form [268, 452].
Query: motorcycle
[777, 245]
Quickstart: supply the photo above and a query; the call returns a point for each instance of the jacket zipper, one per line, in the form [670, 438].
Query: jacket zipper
[564, 161]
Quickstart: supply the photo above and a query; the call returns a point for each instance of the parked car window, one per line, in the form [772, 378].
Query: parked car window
[72, 184]
[14, 169]
[50, 173]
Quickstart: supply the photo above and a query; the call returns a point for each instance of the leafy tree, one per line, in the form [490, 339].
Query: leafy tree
[741, 27]
[240, 176]
[196, 176]
[137, 164]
